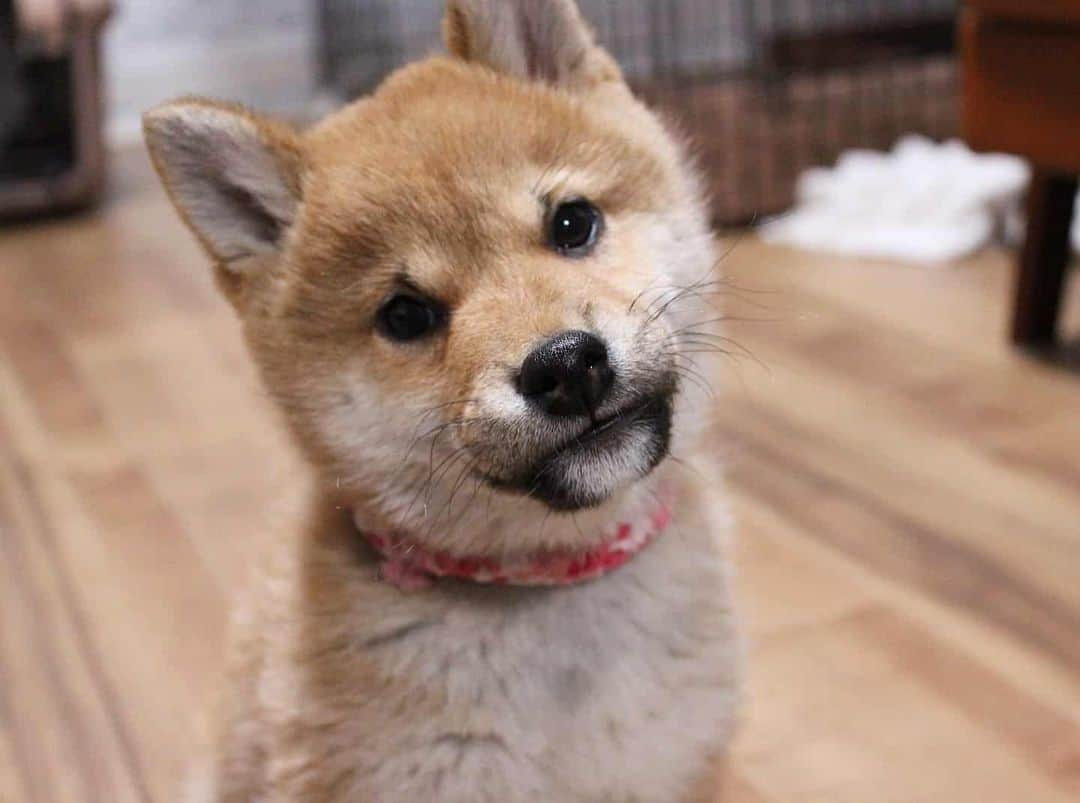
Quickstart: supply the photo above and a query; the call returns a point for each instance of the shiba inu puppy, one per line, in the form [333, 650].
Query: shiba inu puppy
[476, 297]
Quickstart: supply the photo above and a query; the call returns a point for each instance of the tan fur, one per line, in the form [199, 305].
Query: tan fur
[343, 688]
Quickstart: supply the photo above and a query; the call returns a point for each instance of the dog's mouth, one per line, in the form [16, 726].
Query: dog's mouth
[609, 453]
[602, 431]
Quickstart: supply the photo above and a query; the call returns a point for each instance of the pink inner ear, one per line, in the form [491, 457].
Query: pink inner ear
[531, 49]
[541, 40]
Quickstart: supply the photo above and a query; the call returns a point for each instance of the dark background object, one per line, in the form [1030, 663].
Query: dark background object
[11, 95]
[1022, 96]
[51, 142]
[764, 88]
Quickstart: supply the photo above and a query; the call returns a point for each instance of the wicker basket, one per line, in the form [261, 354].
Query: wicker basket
[763, 88]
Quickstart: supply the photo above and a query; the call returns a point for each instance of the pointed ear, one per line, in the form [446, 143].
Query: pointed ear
[233, 176]
[543, 40]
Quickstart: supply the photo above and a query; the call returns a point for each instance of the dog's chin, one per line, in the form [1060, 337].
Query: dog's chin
[611, 454]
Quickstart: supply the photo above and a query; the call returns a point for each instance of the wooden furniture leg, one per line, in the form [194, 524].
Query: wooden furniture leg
[1043, 260]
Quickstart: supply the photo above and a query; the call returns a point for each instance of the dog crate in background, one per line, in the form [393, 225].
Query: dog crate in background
[52, 150]
[764, 88]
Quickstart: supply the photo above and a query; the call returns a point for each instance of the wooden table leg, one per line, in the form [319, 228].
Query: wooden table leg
[1041, 276]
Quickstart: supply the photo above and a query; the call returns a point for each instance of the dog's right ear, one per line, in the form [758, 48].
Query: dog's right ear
[537, 40]
[233, 176]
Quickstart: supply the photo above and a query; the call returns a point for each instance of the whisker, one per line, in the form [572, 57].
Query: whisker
[434, 433]
[685, 466]
[447, 508]
[426, 487]
[543, 522]
[577, 525]
[694, 376]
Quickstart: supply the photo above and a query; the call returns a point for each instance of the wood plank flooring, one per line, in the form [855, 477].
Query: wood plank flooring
[907, 487]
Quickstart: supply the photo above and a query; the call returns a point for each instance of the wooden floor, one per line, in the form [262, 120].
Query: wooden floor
[908, 490]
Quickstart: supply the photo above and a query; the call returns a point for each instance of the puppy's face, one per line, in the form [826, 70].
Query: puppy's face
[461, 282]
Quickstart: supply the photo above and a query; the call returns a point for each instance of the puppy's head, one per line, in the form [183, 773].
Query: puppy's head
[462, 282]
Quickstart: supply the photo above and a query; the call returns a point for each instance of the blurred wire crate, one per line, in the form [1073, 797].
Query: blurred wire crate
[763, 88]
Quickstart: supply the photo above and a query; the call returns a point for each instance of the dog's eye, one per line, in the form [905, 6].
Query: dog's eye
[406, 317]
[575, 226]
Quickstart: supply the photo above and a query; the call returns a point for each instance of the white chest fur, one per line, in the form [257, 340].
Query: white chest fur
[620, 689]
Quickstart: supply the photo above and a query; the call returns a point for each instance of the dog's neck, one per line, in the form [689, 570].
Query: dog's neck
[407, 562]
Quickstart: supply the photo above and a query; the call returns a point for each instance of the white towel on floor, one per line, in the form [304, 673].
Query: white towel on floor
[922, 202]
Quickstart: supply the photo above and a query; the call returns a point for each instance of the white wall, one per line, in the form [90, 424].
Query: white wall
[262, 52]
[259, 52]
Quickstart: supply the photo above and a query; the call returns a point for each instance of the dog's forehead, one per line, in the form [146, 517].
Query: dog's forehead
[455, 143]
[449, 167]
[422, 213]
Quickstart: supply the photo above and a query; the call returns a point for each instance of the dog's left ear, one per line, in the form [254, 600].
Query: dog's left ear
[541, 40]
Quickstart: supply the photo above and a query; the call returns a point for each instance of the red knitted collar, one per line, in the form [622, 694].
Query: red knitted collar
[410, 566]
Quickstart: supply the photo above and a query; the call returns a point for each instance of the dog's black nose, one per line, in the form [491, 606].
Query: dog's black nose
[567, 375]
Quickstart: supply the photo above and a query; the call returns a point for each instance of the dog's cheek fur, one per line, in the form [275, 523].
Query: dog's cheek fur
[352, 424]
